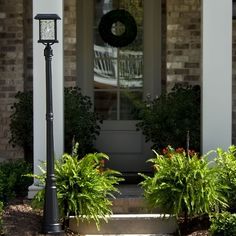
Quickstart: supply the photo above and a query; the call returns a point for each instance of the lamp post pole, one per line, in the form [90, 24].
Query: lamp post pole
[51, 212]
[48, 36]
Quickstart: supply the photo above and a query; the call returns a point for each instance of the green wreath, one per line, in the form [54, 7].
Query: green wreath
[105, 28]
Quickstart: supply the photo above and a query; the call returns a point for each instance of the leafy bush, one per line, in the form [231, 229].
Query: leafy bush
[83, 187]
[1, 222]
[167, 119]
[183, 185]
[226, 165]
[21, 125]
[223, 224]
[81, 123]
[12, 180]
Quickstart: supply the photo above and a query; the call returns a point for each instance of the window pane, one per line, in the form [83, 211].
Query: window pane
[118, 72]
[105, 68]
[131, 69]
[129, 104]
[106, 104]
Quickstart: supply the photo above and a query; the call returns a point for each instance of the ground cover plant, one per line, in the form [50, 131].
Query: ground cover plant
[13, 183]
[84, 187]
[183, 184]
[223, 224]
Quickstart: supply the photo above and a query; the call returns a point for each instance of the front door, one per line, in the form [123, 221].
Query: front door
[120, 80]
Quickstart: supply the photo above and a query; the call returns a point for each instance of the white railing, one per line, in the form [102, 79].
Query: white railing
[107, 65]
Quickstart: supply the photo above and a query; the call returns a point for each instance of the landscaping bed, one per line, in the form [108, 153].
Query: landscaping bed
[20, 219]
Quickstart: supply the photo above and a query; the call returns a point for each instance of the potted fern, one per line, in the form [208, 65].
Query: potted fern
[84, 187]
[183, 184]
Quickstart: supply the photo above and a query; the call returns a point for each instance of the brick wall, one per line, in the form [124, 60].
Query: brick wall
[183, 41]
[28, 45]
[11, 68]
[70, 43]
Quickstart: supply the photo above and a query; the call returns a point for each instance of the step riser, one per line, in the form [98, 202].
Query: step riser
[132, 206]
[128, 224]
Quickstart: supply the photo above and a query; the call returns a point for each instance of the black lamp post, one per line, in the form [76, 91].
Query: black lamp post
[48, 36]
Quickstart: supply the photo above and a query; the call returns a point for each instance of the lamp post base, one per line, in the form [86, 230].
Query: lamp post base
[52, 229]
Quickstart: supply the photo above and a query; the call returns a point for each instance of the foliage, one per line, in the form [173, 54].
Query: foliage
[12, 180]
[183, 184]
[81, 123]
[223, 224]
[84, 188]
[226, 166]
[1, 222]
[167, 119]
[21, 125]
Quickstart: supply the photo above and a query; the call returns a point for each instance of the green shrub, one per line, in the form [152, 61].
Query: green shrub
[12, 180]
[1, 222]
[81, 123]
[21, 125]
[183, 185]
[167, 119]
[83, 187]
[223, 224]
[226, 165]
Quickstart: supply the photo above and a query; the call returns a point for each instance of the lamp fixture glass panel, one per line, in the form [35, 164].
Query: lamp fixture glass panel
[47, 30]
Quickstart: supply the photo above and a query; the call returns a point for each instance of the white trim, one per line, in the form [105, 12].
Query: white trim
[152, 47]
[216, 74]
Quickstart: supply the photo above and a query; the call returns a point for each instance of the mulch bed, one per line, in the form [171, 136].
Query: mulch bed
[20, 219]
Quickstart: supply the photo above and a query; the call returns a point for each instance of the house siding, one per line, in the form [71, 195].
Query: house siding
[181, 60]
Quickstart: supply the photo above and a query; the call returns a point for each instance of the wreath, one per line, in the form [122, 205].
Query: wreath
[114, 16]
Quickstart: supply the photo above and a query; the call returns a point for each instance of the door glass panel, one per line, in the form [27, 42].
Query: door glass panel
[106, 104]
[118, 72]
[129, 104]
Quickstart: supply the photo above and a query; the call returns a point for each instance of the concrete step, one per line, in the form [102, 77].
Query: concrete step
[130, 216]
[128, 224]
[131, 201]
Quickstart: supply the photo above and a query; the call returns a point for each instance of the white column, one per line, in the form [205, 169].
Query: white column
[39, 87]
[216, 74]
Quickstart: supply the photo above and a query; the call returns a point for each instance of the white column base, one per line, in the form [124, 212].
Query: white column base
[33, 189]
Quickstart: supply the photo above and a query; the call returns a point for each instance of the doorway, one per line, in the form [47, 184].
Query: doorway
[117, 78]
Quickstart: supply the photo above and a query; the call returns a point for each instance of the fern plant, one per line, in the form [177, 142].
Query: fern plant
[183, 185]
[84, 189]
[226, 167]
